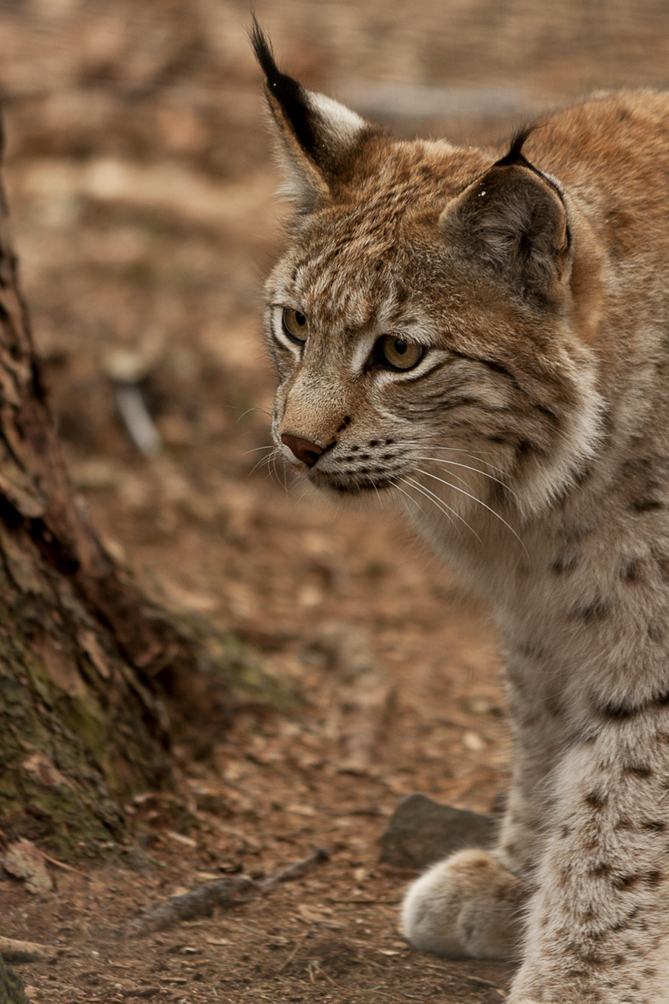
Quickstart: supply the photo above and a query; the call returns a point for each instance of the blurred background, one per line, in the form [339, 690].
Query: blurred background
[140, 186]
[141, 194]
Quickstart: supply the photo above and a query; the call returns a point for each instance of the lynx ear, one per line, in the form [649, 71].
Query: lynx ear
[513, 219]
[314, 134]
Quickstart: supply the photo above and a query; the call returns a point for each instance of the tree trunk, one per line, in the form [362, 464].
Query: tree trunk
[85, 659]
[11, 986]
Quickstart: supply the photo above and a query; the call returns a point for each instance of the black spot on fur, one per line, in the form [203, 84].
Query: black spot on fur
[562, 565]
[623, 711]
[646, 505]
[582, 476]
[624, 882]
[618, 712]
[597, 609]
[547, 413]
[655, 632]
[624, 823]
[496, 367]
[632, 571]
[596, 800]
[638, 770]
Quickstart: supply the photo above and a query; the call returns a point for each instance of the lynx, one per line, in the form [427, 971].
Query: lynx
[482, 339]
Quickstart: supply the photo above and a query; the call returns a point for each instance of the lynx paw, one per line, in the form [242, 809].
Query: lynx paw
[466, 905]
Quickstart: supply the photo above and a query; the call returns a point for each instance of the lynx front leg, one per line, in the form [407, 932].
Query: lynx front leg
[538, 732]
[598, 925]
[472, 903]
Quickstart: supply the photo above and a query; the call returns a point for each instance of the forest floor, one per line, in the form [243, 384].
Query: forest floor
[140, 189]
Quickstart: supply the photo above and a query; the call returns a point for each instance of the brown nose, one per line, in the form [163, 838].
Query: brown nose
[305, 451]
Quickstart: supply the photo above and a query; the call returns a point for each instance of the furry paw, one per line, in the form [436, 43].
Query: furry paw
[466, 905]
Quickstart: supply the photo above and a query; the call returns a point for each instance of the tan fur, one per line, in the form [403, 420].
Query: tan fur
[530, 447]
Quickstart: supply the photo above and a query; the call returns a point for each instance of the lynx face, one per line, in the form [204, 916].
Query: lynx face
[424, 321]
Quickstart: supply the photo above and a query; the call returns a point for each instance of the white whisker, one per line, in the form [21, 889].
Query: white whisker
[454, 463]
[257, 448]
[415, 502]
[475, 499]
[473, 454]
[440, 504]
[261, 463]
[254, 408]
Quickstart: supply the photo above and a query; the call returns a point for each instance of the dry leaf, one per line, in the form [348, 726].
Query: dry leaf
[301, 810]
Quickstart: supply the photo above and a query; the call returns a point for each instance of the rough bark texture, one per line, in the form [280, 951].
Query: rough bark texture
[85, 658]
[11, 986]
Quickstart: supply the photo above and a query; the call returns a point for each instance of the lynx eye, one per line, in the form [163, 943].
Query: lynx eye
[399, 353]
[294, 325]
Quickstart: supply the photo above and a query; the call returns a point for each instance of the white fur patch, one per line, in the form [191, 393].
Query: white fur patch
[339, 120]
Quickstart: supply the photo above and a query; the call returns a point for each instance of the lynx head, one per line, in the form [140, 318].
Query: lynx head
[424, 319]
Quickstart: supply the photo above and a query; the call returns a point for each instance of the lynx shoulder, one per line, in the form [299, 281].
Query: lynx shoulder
[481, 338]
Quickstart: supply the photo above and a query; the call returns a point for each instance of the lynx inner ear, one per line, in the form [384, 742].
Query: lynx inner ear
[314, 135]
[513, 220]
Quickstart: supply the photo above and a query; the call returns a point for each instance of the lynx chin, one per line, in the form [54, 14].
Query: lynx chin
[481, 339]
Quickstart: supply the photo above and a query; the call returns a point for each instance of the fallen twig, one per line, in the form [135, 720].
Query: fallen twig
[61, 864]
[484, 983]
[201, 902]
[296, 870]
[12, 950]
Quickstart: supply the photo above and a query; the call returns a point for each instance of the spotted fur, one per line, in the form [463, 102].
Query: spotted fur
[529, 444]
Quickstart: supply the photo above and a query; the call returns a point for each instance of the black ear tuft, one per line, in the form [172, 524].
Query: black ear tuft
[316, 139]
[263, 50]
[515, 154]
[516, 158]
[290, 95]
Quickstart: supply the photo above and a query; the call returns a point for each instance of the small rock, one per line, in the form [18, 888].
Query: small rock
[24, 860]
[422, 831]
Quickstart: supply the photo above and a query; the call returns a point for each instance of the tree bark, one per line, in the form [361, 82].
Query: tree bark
[11, 986]
[86, 661]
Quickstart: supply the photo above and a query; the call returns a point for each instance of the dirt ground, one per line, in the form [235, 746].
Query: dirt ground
[141, 193]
